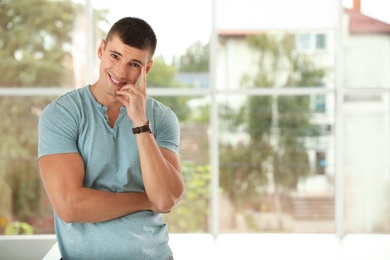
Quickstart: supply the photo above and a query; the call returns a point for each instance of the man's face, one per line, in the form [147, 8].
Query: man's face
[120, 64]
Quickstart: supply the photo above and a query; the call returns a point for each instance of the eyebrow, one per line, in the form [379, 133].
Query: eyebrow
[120, 54]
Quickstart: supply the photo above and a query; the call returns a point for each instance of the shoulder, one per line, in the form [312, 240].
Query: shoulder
[72, 98]
[66, 109]
[155, 104]
[66, 103]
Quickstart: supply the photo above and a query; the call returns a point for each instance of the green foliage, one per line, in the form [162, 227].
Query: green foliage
[34, 41]
[195, 59]
[191, 214]
[18, 228]
[35, 45]
[18, 153]
[202, 115]
[242, 174]
[162, 75]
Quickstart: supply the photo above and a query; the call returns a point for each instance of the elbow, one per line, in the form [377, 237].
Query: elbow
[169, 202]
[67, 213]
[165, 206]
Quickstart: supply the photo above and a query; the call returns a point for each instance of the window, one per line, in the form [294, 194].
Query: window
[320, 42]
[312, 42]
[268, 129]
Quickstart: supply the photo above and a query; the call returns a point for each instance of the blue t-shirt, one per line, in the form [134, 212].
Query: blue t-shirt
[77, 123]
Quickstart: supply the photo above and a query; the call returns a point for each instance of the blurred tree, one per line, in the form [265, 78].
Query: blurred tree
[35, 37]
[191, 214]
[35, 42]
[162, 75]
[18, 228]
[35, 46]
[195, 59]
[275, 155]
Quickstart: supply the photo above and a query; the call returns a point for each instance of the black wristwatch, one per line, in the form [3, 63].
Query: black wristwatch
[142, 129]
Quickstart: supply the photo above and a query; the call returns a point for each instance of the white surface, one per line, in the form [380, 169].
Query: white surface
[232, 246]
[53, 254]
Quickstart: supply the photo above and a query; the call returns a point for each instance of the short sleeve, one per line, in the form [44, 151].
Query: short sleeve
[167, 131]
[57, 131]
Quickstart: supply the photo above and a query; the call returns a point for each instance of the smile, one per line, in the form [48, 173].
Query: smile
[116, 82]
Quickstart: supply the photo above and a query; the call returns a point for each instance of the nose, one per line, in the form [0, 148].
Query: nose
[122, 71]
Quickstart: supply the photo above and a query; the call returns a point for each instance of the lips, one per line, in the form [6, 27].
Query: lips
[116, 82]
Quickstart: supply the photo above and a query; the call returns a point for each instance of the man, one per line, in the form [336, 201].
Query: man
[108, 156]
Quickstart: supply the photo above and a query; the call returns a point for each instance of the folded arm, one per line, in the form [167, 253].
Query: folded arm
[62, 176]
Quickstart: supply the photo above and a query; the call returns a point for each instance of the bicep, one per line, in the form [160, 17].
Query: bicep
[61, 175]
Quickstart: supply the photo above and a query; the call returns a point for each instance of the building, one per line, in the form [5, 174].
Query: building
[365, 41]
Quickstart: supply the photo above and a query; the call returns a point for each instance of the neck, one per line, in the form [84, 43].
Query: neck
[105, 99]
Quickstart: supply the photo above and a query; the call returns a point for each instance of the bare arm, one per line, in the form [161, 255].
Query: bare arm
[62, 176]
[161, 173]
[161, 169]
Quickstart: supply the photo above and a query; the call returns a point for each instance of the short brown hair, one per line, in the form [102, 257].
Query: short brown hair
[134, 32]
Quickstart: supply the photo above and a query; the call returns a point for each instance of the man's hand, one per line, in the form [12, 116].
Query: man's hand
[134, 99]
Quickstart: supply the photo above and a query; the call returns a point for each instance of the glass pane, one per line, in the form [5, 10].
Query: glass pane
[321, 41]
[276, 165]
[192, 214]
[24, 206]
[283, 59]
[366, 167]
[37, 43]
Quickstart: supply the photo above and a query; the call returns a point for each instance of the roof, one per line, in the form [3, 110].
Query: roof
[359, 24]
[362, 24]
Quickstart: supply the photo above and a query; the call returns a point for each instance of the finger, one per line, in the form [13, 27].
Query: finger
[124, 100]
[125, 93]
[127, 90]
[142, 80]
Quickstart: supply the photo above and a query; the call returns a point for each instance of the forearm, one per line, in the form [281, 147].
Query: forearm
[89, 205]
[162, 180]
[62, 176]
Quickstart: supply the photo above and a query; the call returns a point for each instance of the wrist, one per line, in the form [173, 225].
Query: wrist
[142, 129]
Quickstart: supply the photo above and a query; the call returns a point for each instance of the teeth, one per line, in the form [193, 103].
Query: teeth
[115, 81]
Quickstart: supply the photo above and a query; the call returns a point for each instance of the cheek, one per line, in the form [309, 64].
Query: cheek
[106, 63]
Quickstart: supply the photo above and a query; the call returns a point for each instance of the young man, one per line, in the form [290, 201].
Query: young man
[108, 156]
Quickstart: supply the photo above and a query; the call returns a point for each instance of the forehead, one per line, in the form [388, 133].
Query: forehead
[127, 52]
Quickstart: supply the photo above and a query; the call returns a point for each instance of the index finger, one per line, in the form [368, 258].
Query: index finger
[142, 80]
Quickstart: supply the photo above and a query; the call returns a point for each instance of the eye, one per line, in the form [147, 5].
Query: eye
[113, 55]
[135, 65]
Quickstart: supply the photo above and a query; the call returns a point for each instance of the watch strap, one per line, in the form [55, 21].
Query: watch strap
[142, 129]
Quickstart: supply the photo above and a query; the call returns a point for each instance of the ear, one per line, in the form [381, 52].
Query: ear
[101, 48]
[149, 66]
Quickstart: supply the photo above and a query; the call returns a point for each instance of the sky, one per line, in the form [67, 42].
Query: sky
[180, 23]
